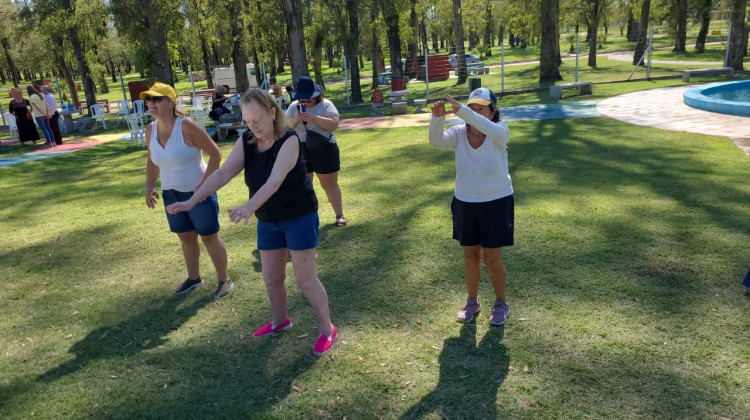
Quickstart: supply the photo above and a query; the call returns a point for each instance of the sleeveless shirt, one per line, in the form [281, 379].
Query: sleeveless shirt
[181, 167]
[295, 197]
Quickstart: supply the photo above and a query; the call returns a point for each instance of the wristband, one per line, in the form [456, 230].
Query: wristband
[149, 189]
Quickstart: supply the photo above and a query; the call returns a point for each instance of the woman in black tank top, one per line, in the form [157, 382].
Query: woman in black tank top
[283, 200]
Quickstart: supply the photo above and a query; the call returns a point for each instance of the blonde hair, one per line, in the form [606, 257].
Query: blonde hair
[263, 98]
[177, 112]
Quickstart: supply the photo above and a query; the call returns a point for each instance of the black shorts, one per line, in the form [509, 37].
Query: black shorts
[489, 224]
[323, 162]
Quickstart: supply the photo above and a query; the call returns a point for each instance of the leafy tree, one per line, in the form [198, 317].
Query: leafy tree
[148, 23]
[9, 13]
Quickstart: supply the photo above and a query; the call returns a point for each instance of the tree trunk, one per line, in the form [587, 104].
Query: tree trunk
[352, 40]
[67, 74]
[489, 35]
[597, 7]
[681, 35]
[318, 39]
[390, 15]
[414, 43]
[549, 65]
[83, 67]
[296, 38]
[705, 17]
[632, 27]
[738, 37]
[378, 63]
[458, 30]
[206, 56]
[157, 36]
[640, 47]
[11, 64]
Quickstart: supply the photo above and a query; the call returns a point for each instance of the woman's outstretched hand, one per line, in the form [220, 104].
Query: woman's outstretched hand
[238, 213]
[454, 103]
[178, 207]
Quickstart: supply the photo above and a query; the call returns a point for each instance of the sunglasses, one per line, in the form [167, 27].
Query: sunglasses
[155, 99]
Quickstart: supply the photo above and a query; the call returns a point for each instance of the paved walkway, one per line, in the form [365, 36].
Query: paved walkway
[628, 58]
[664, 108]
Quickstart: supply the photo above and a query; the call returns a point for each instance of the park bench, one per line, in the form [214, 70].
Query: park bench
[585, 88]
[420, 103]
[398, 101]
[376, 109]
[477, 69]
[85, 125]
[728, 71]
[84, 106]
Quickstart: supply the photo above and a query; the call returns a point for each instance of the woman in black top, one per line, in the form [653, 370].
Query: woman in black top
[283, 200]
[20, 108]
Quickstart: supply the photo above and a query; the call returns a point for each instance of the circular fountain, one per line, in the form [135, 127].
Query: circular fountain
[724, 97]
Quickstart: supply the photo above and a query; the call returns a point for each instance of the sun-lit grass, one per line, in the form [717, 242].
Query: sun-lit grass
[623, 282]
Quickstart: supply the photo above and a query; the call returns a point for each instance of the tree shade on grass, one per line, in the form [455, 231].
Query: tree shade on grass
[623, 284]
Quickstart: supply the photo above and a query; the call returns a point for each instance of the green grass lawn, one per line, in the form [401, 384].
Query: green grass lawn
[623, 283]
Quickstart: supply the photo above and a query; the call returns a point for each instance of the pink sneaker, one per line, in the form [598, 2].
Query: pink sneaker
[325, 342]
[270, 329]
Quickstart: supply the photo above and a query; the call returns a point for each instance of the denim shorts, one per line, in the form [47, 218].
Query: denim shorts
[202, 219]
[489, 223]
[297, 234]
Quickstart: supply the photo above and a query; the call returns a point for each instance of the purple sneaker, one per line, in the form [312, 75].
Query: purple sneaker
[500, 311]
[466, 314]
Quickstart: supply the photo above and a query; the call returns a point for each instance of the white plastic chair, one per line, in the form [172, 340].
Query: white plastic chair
[97, 113]
[200, 116]
[123, 109]
[137, 129]
[198, 103]
[139, 107]
[180, 103]
[12, 128]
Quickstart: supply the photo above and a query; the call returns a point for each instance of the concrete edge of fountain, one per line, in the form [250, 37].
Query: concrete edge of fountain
[697, 97]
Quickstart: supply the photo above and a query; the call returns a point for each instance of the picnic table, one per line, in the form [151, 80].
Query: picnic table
[68, 119]
[222, 130]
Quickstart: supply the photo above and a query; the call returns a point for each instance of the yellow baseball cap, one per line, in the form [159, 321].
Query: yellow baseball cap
[160, 89]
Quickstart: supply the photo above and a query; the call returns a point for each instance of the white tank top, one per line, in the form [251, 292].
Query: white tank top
[181, 167]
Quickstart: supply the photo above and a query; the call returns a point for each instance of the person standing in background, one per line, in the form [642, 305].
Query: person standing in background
[54, 118]
[19, 107]
[41, 114]
[311, 112]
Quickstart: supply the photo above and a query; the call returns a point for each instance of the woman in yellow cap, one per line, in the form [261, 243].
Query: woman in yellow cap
[175, 154]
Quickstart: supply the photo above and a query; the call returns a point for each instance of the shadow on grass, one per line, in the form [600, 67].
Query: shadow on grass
[470, 376]
[141, 332]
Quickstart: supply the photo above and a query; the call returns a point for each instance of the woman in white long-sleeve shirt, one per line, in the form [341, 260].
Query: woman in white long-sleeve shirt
[482, 205]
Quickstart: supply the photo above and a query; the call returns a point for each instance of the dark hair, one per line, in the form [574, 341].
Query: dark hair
[496, 113]
[289, 88]
[31, 90]
[272, 79]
